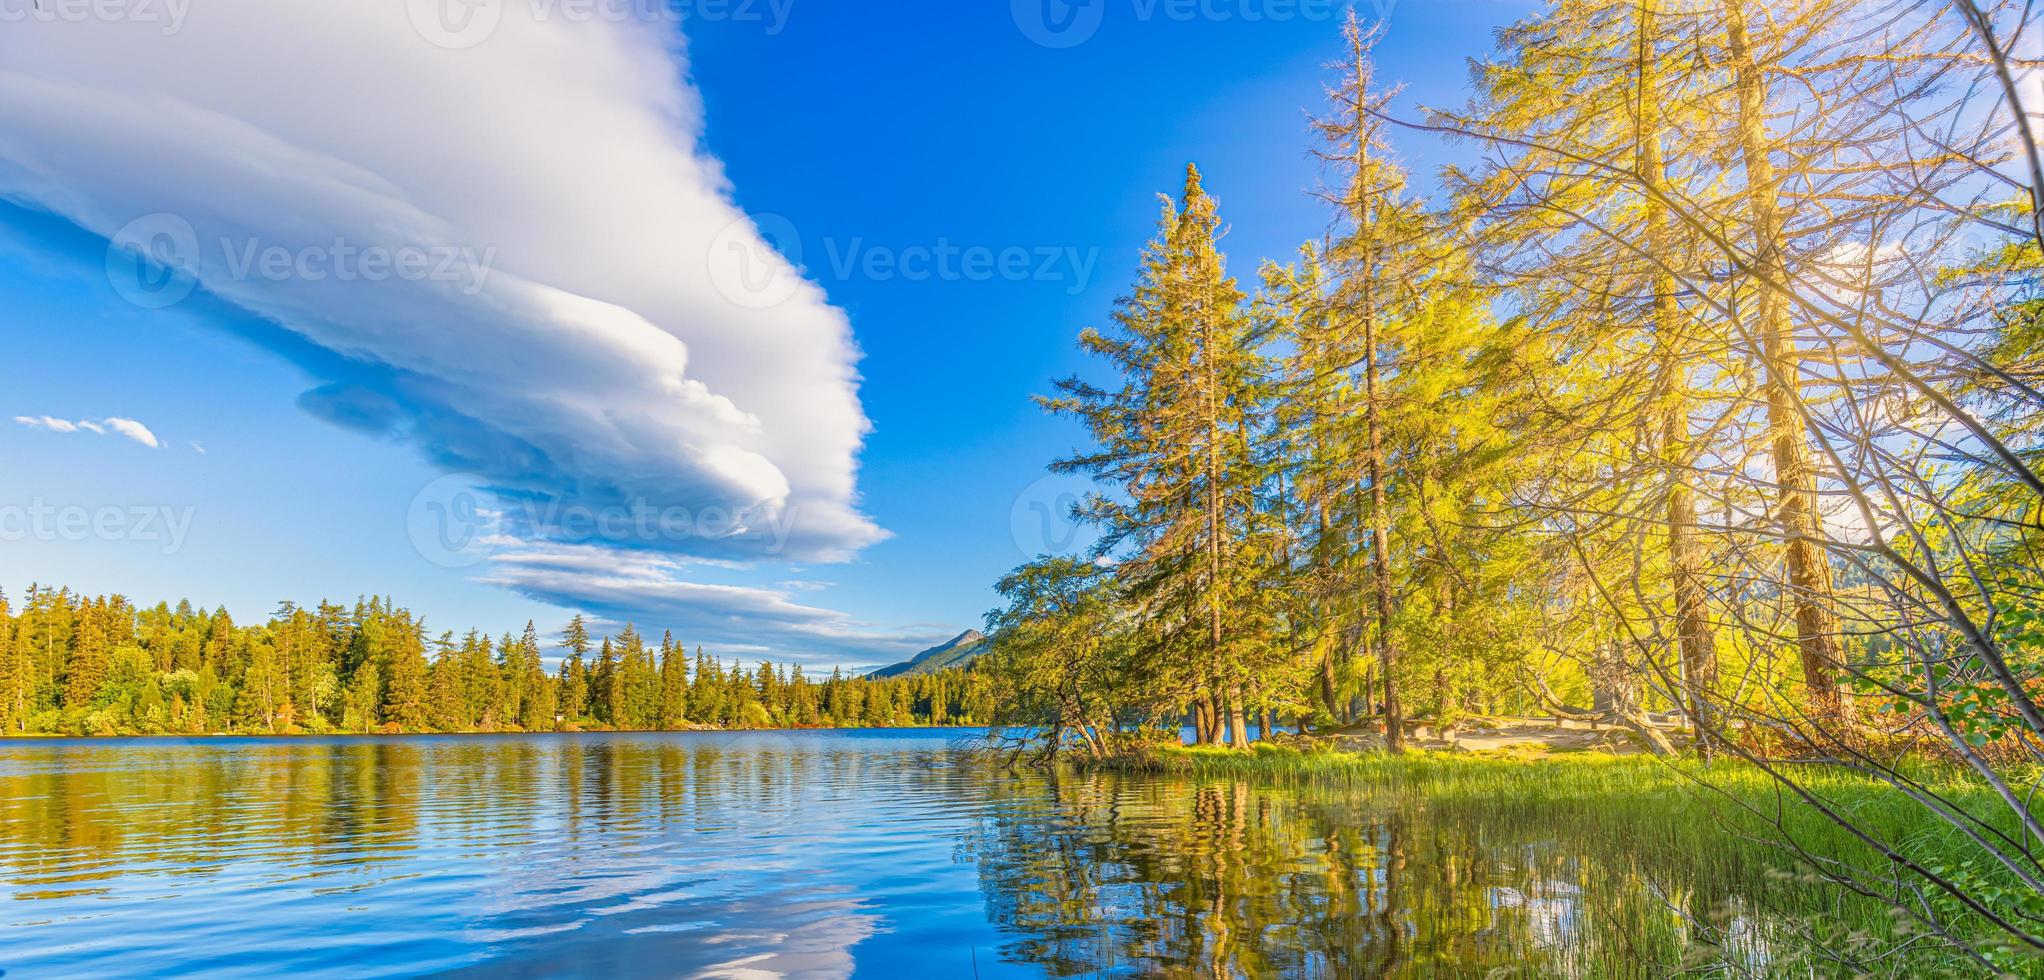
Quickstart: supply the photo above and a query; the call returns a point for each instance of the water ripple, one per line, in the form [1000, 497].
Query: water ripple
[770, 855]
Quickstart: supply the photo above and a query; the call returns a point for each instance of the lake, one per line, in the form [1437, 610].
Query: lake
[801, 854]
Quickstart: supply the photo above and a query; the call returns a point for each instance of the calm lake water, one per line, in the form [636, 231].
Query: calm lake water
[813, 854]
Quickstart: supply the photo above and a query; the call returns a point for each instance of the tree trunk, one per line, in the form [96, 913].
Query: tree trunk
[1238, 728]
[1380, 534]
[1444, 695]
[1809, 570]
[1698, 649]
[1214, 518]
[1369, 694]
[1327, 692]
[1334, 652]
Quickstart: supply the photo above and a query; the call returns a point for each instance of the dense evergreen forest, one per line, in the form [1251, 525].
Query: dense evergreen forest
[99, 666]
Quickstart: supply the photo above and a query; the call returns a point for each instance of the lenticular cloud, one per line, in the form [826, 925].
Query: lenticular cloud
[516, 234]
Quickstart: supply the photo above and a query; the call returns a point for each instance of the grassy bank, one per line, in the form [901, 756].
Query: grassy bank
[1728, 818]
[1740, 793]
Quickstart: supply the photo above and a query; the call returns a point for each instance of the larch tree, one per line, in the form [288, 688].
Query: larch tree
[1374, 257]
[1817, 638]
[1312, 439]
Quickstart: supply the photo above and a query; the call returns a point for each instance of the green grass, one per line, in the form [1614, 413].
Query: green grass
[1747, 799]
[1633, 782]
[1726, 818]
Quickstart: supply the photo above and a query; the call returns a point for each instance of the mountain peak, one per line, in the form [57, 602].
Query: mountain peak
[955, 652]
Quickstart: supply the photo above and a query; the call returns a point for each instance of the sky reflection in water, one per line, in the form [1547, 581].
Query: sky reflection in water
[808, 854]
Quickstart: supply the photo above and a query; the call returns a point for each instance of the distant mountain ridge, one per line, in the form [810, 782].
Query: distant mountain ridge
[959, 651]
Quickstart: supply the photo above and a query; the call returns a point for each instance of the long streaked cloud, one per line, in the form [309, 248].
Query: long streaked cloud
[618, 332]
[657, 593]
[612, 334]
[126, 428]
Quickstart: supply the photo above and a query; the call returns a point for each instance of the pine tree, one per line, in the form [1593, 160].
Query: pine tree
[405, 700]
[508, 707]
[607, 687]
[265, 688]
[89, 661]
[706, 694]
[576, 637]
[1171, 439]
[801, 711]
[673, 684]
[449, 707]
[14, 673]
[574, 694]
[479, 679]
[635, 684]
[536, 712]
[573, 690]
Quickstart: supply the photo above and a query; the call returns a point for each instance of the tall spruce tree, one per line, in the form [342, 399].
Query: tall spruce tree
[1171, 452]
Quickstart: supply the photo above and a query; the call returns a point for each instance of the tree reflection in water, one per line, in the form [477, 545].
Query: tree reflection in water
[830, 854]
[1149, 876]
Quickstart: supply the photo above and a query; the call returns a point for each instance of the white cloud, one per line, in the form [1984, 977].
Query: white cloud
[650, 591]
[46, 422]
[134, 430]
[585, 351]
[124, 427]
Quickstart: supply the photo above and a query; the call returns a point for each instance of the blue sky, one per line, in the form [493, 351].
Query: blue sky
[883, 148]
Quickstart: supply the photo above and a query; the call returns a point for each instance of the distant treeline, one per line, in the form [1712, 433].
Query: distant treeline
[99, 666]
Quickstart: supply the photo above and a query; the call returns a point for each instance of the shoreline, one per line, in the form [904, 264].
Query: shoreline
[293, 736]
